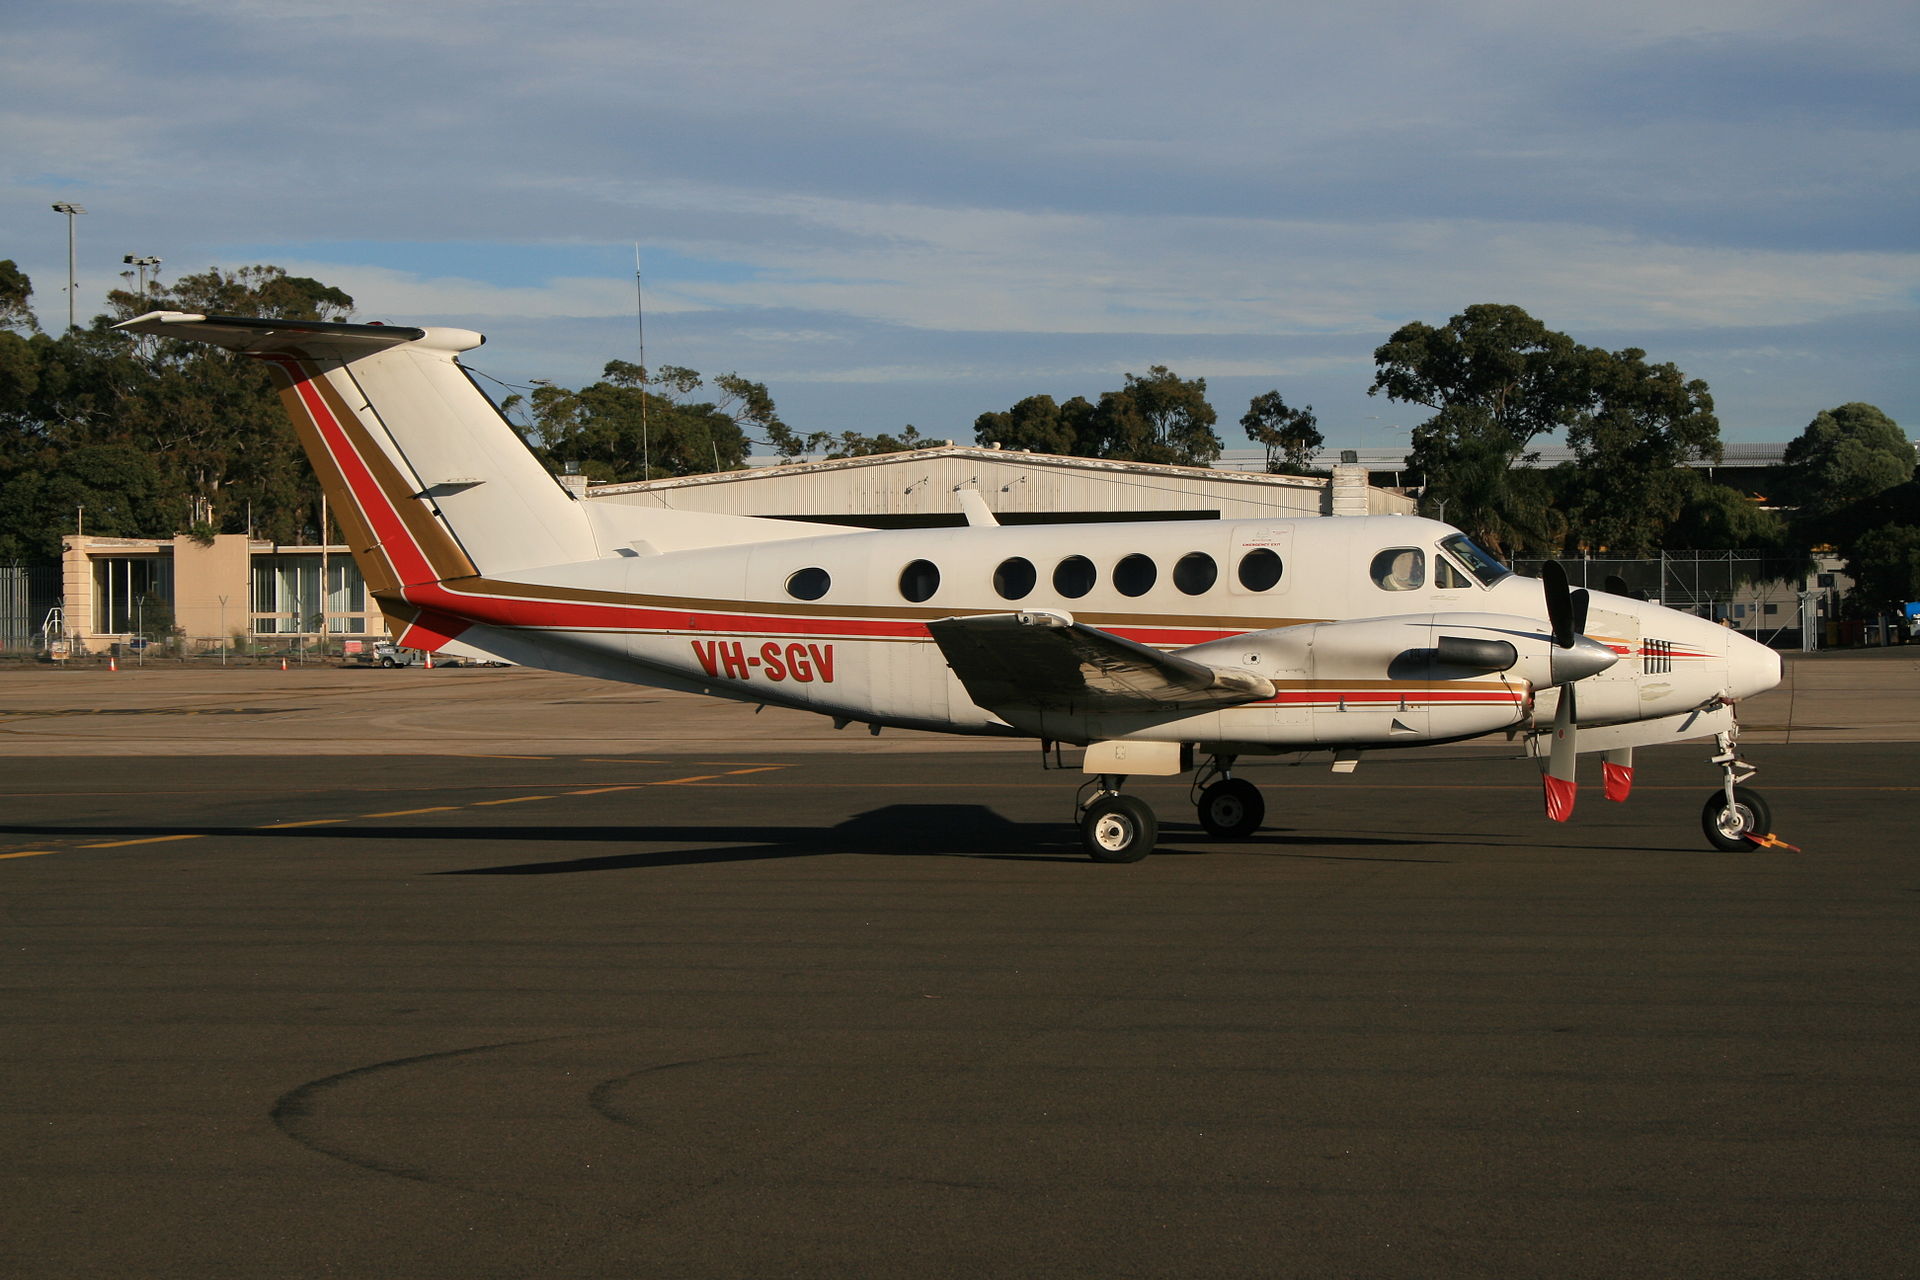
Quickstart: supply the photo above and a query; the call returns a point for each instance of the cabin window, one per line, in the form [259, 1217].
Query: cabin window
[1074, 577]
[1400, 569]
[808, 584]
[1135, 575]
[1448, 578]
[1260, 569]
[1196, 573]
[1014, 579]
[919, 580]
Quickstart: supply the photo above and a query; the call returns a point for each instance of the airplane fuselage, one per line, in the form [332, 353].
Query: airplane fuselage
[837, 624]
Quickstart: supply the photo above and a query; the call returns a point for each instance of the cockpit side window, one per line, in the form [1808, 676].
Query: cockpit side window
[1480, 562]
[1400, 569]
[1447, 577]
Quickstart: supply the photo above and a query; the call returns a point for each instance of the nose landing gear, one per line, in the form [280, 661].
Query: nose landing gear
[1735, 818]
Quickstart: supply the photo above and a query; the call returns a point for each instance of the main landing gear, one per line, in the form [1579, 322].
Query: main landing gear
[1115, 827]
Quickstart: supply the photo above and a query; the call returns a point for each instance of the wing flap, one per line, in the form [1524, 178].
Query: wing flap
[1041, 660]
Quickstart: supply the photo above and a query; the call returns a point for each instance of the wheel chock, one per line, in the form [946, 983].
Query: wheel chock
[1771, 841]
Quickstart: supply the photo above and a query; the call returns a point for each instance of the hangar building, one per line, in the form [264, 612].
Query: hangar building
[918, 488]
[233, 591]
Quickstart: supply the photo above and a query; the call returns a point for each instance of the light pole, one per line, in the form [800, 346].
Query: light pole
[135, 260]
[71, 210]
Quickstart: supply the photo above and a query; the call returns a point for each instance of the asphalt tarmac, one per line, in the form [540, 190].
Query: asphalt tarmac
[778, 1012]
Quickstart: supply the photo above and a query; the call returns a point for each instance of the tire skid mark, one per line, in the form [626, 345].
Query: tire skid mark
[602, 1095]
[295, 1113]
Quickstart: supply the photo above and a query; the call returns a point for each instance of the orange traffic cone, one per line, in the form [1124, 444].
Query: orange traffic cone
[429, 661]
[112, 665]
[283, 664]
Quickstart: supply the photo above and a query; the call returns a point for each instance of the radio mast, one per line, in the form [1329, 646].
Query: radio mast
[640, 317]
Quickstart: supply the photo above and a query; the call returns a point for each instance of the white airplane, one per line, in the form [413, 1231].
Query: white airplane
[1149, 644]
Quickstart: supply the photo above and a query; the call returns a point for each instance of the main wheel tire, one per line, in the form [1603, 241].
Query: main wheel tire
[1232, 808]
[1118, 829]
[1727, 827]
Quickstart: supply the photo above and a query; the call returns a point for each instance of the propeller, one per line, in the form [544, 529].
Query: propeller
[1576, 657]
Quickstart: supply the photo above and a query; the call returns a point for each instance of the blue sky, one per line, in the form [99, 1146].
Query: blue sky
[906, 213]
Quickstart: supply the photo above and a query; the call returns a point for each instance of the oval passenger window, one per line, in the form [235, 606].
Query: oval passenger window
[1014, 579]
[919, 580]
[808, 584]
[1196, 573]
[1400, 569]
[1135, 575]
[1074, 577]
[1260, 570]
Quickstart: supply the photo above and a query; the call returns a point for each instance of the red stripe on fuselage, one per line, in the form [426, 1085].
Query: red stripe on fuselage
[409, 561]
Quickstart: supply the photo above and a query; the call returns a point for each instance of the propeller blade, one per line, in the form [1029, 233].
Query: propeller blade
[1616, 585]
[1553, 579]
[1579, 600]
[1562, 760]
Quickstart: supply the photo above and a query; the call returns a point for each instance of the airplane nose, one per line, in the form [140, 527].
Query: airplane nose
[1752, 668]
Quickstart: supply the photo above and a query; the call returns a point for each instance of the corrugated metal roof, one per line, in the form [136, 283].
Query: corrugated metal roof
[913, 457]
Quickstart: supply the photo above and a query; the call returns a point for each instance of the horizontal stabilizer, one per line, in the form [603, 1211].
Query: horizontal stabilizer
[253, 336]
[1040, 660]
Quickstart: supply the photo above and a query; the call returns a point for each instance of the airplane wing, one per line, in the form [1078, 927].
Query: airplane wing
[1041, 660]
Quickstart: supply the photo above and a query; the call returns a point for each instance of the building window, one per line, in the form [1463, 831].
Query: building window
[287, 596]
[129, 592]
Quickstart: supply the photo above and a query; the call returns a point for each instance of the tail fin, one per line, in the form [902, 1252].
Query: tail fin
[428, 482]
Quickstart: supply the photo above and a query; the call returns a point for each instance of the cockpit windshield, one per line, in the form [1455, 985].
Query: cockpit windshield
[1480, 563]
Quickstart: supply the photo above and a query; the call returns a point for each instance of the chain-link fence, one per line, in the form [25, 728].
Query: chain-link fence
[1779, 600]
[28, 593]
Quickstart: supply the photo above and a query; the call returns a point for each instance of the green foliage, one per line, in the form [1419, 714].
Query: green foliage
[1497, 379]
[1156, 417]
[1038, 425]
[1885, 566]
[16, 294]
[1716, 517]
[638, 424]
[246, 291]
[792, 447]
[145, 436]
[1290, 436]
[1640, 424]
[1845, 455]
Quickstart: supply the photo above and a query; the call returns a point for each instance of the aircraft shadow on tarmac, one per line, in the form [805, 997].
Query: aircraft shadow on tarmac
[903, 830]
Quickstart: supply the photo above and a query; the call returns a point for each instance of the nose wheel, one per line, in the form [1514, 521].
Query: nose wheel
[1736, 824]
[1735, 818]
